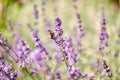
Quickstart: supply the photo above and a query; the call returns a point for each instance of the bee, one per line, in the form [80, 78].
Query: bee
[51, 35]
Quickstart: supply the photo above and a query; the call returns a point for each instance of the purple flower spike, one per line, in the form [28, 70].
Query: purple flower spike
[9, 25]
[58, 75]
[74, 73]
[80, 35]
[38, 43]
[42, 5]
[23, 51]
[57, 37]
[70, 51]
[36, 12]
[103, 36]
[6, 72]
[80, 28]
[58, 22]
[106, 68]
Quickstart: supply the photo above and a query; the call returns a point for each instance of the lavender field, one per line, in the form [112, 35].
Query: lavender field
[59, 39]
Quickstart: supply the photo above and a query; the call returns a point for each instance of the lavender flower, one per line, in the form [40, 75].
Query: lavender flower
[107, 69]
[116, 54]
[66, 47]
[92, 77]
[47, 23]
[13, 75]
[70, 51]
[36, 55]
[9, 25]
[6, 71]
[5, 40]
[22, 53]
[74, 5]
[97, 65]
[58, 75]
[57, 56]
[1, 42]
[57, 23]
[7, 49]
[80, 29]
[38, 43]
[42, 5]
[74, 73]
[4, 45]
[36, 12]
[85, 75]
[80, 35]
[57, 37]
[103, 37]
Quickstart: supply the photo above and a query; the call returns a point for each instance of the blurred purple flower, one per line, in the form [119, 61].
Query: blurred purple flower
[103, 36]
[57, 37]
[1, 42]
[22, 52]
[36, 55]
[43, 5]
[74, 73]
[85, 75]
[116, 54]
[57, 56]
[57, 23]
[106, 68]
[36, 12]
[80, 35]
[6, 71]
[38, 43]
[9, 25]
[58, 75]
[70, 51]
[92, 77]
